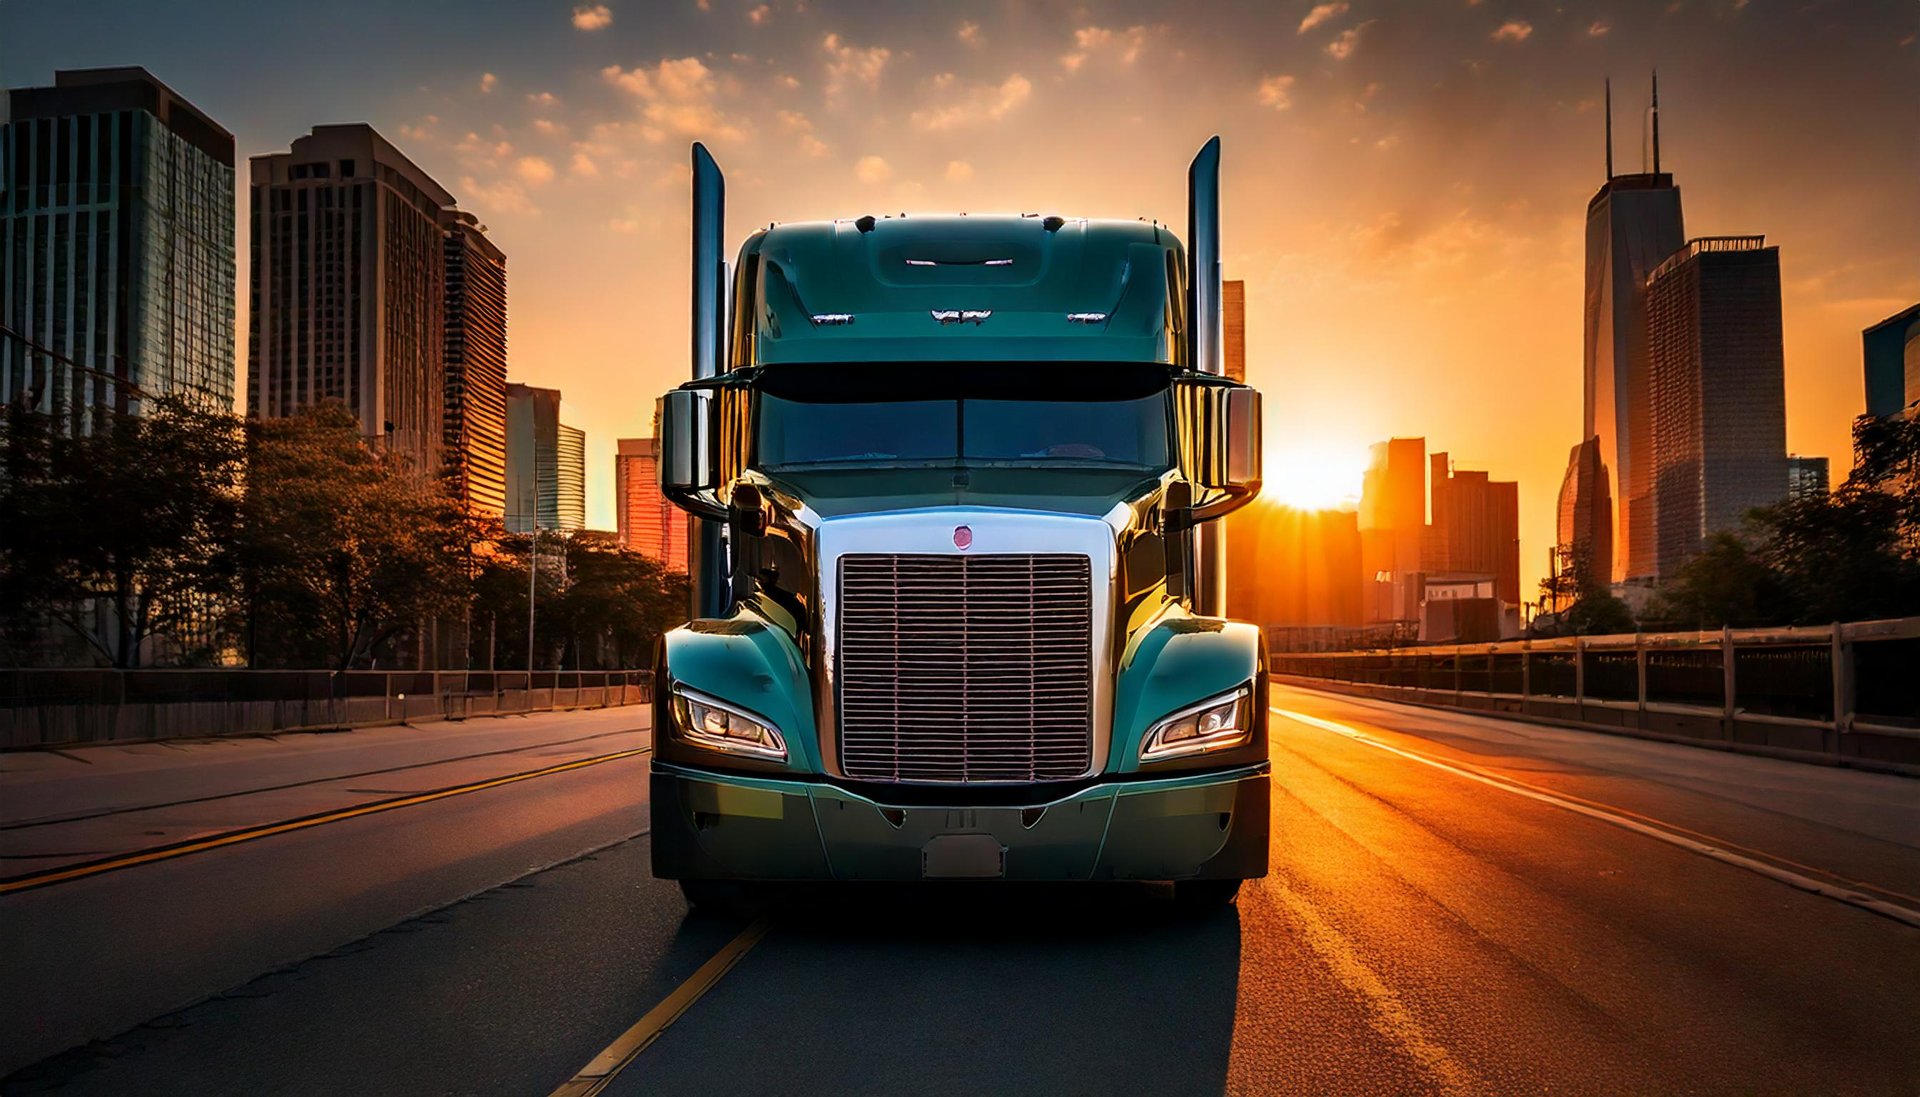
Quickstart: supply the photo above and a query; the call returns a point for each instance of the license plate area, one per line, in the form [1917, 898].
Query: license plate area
[963, 857]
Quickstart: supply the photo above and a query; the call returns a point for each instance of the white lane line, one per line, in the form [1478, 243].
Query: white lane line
[1876, 905]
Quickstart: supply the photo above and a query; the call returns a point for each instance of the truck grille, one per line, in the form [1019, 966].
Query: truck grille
[965, 668]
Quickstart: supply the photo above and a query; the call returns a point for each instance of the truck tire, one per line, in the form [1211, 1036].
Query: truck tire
[1200, 896]
[727, 898]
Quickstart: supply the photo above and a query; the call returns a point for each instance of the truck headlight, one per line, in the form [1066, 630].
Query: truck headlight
[1216, 723]
[716, 725]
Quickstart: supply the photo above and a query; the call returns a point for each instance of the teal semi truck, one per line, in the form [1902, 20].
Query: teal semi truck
[956, 579]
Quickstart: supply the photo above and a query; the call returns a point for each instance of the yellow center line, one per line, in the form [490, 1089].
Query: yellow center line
[1705, 845]
[598, 1074]
[248, 834]
[1386, 1013]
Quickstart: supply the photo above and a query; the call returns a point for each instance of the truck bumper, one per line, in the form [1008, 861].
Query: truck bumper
[709, 826]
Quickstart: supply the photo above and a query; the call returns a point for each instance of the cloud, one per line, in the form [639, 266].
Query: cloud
[583, 165]
[678, 100]
[1274, 92]
[792, 121]
[959, 171]
[537, 170]
[1598, 29]
[985, 103]
[1347, 41]
[872, 169]
[477, 148]
[1123, 45]
[543, 99]
[1513, 30]
[1321, 13]
[487, 82]
[501, 197]
[849, 65]
[969, 33]
[760, 14]
[547, 127]
[592, 17]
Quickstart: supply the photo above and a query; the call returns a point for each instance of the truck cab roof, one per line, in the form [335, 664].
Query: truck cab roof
[960, 287]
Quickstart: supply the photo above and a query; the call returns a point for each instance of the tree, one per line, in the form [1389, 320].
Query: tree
[1726, 584]
[134, 516]
[31, 585]
[617, 603]
[1591, 609]
[343, 547]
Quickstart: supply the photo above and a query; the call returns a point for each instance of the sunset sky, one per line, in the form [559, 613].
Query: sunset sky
[1405, 184]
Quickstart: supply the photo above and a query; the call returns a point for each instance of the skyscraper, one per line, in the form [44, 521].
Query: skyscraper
[1584, 533]
[1633, 224]
[1892, 352]
[475, 441]
[546, 463]
[647, 521]
[1392, 524]
[116, 245]
[569, 478]
[349, 288]
[1718, 390]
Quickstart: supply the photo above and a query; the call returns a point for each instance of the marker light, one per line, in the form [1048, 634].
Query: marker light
[1217, 723]
[708, 723]
[832, 319]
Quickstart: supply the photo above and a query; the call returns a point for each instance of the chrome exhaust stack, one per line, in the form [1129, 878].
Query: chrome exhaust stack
[1206, 349]
[706, 551]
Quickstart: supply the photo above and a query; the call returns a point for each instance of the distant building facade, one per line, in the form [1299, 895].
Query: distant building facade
[116, 246]
[1633, 224]
[1293, 569]
[1892, 352]
[1392, 523]
[1584, 517]
[1807, 477]
[1476, 528]
[648, 523]
[474, 442]
[348, 288]
[1719, 389]
[546, 463]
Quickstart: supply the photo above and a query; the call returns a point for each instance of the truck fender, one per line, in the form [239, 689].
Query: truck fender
[1177, 662]
[743, 661]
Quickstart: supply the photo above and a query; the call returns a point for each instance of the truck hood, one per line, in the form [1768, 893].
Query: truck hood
[836, 493]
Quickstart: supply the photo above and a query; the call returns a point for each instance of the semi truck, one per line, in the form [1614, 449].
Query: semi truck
[953, 485]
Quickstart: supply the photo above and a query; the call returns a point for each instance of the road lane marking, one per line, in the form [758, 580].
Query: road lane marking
[56, 820]
[48, 877]
[1388, 1015]
[1704, 845]
[597, 1075]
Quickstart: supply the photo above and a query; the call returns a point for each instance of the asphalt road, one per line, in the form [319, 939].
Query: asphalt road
[1457, 905]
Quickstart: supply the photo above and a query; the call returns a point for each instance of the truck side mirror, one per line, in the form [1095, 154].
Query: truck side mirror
[1220, 449]
[689, 474]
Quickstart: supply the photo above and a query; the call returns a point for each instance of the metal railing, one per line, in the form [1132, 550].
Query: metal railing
[54, 707]
[1844, 692]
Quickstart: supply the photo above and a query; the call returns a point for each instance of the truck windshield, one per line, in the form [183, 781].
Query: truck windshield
[989, 416]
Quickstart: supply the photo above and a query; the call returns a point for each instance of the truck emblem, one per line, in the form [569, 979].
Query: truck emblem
[962, 538]
[961, 316]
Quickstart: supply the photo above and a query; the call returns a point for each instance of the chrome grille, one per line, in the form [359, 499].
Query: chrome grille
[965, 668]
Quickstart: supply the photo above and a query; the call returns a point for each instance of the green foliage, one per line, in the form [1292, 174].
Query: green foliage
[1590, 607]
[597, 606]
[1727, 584]
[134, 517]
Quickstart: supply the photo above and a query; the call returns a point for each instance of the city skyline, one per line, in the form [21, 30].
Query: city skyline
[1450, 150]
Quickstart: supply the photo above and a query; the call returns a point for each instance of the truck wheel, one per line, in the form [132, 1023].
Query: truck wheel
[728, 898]
[1199, 896]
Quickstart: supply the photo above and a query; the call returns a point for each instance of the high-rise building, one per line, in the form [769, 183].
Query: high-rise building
[1392, 523]
[1476, 528]
[648, 522]
[349, 288]
[1807, 477]
[1718, 390]
[1633, 224]
[570, 478]
[1584, 527]
[475, 440]
[1233, 303]
[546, 463]
[1892, 351]
[116, 246]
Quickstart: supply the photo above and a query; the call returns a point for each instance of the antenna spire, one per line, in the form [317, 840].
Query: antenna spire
[1656, 121]
[1609, 128]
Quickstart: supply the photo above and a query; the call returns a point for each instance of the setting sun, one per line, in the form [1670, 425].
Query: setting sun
[1313, 476]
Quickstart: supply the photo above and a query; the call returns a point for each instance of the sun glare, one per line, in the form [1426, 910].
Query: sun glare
[1323, 477]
